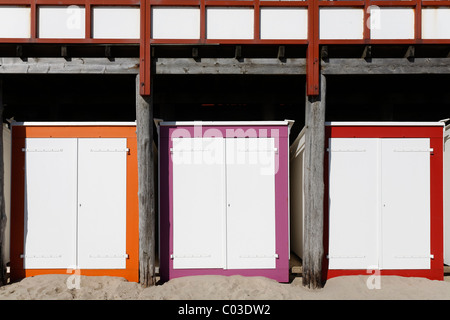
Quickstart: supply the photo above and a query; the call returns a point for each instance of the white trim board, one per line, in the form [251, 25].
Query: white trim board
[226, 123]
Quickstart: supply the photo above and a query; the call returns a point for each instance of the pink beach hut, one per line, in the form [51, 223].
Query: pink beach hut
[224, 207]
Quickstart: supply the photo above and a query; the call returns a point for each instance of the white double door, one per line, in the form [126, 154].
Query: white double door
[224, 203]
[75, 203]
[379, 203]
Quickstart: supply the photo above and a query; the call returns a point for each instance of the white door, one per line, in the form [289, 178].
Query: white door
[50, 203]
[102, 170]
[250, 167]
[198, 203]
[405, 220]
[353, 203]
[379, 203]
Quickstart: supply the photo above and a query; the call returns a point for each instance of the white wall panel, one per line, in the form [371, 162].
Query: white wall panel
[175, 23]
[341, 23]
[297, 195]
[198, 203]
[250, 167]
[15, 22]
[102, 167]
[50, 203]
[61, 22]
[405, 204]
[229, 23]
[284, 23]
[391, 23]
[353, 203]
[436, 23]
[116, 22]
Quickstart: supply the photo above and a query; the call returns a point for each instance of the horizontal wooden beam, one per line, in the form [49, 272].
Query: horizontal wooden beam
[231, 66]
[74, 66]
[386, 66]
[256, 66]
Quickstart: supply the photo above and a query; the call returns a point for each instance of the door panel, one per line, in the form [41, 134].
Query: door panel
[250, 166]
[198, 203]
[102, 203]
[50, 203]
[405, 204]
[353, 203]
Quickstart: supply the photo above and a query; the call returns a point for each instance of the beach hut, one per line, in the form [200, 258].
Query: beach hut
[385, 206]
[74, 199]
[224, 193]
[447, 195]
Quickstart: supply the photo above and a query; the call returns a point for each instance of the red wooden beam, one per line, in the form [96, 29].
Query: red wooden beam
[312, 54]
[88, 26]
[256, 20]
[33, 20]
[418, 21]
[145, 56]
[202, 20]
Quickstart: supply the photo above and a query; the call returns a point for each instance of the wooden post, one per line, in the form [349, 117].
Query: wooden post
[147, 254]
[314, 188]
[3, 278]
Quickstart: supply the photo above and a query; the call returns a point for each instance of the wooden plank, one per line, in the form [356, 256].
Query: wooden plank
[3, 275]
[297, 269]
[146, 190]
[295, 264]
[314, 188]
[231, 66]
[75, 66]
[386, 66]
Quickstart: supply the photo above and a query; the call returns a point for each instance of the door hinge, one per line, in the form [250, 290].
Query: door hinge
[415, 150]
[110, 150]
[41, 150]
[430, 256]
[103, 256]
[346, 150]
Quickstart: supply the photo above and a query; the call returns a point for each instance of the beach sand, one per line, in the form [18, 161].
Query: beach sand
[66, 287]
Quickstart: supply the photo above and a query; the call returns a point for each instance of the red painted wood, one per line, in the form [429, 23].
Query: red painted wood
[313, 42]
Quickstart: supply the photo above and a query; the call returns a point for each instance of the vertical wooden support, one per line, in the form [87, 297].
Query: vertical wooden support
[314, 188]
[146, 193]
[3, 278]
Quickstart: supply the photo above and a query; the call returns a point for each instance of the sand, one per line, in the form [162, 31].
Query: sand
[61, 287]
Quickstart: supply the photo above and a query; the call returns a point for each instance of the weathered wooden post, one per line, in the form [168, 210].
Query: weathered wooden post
[144, 128]
[3, 278]
[314, 188]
